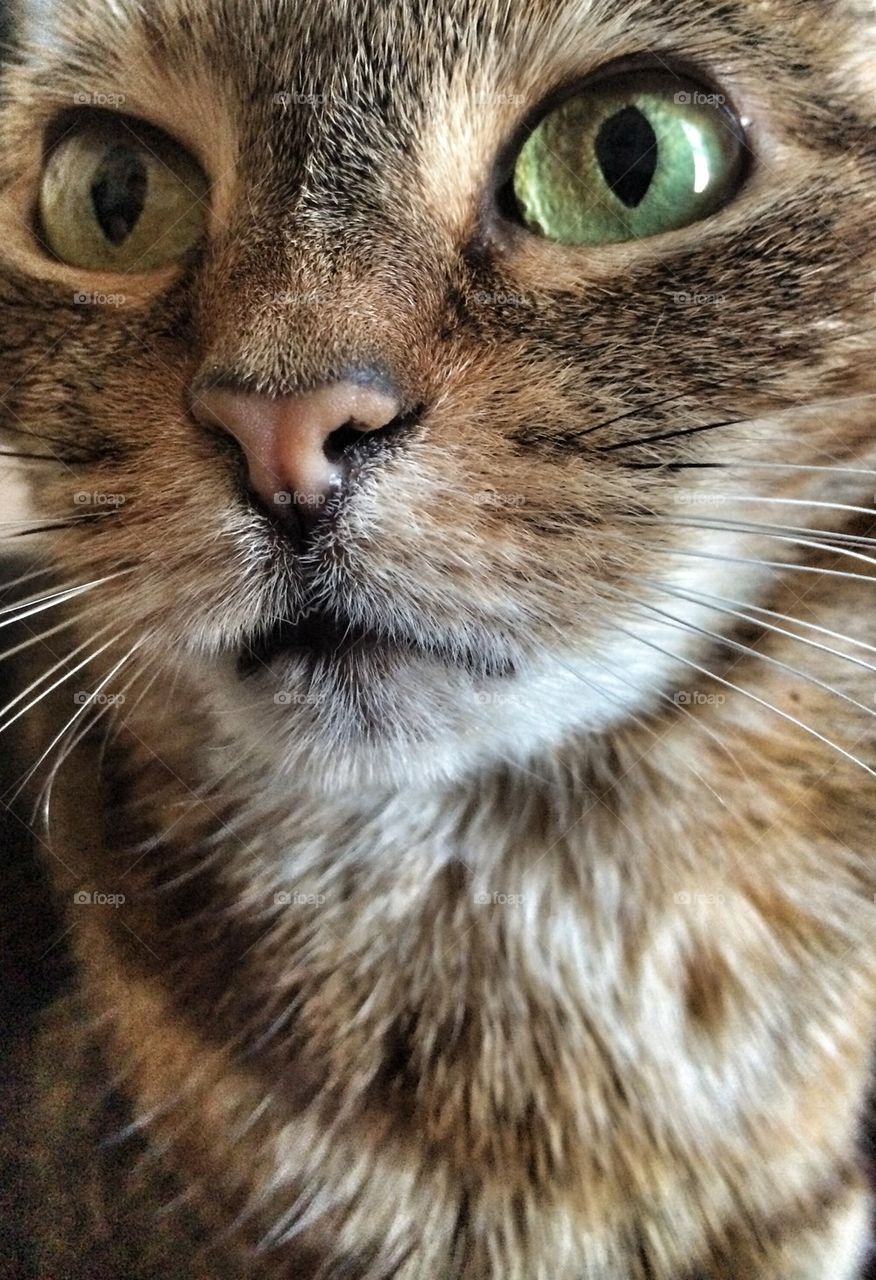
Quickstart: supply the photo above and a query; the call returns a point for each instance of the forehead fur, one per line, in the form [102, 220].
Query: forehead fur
[402, 62]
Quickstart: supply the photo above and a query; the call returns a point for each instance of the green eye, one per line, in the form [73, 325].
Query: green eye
[629, 157]
[115, 200]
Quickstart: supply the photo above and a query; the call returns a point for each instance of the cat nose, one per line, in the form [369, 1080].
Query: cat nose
[296, 446]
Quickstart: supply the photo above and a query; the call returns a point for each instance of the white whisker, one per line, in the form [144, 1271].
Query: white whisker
[753, 697]
[764, 657]
[799, 622]
[43, 800]
[718, 603]
[22, 609]
[80, 711]
[785, 566]
[613, 674]
[798, 502]
[754, 526]
[703, 728]
[811, 543]
[47, 676]
[39, 638]
[799, 466]
[24, 577]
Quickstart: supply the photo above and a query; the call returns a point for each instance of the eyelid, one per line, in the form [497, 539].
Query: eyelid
[153, 138]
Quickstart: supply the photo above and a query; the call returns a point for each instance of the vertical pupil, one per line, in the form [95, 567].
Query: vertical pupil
[626, 148]
[118, 193]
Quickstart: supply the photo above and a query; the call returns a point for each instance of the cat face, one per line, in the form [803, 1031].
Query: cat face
[585, 384]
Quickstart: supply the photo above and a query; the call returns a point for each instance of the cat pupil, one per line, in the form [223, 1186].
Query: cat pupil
[626, 148]
[118, 193]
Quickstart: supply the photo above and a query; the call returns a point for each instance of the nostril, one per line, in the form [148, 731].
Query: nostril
[303, 451]
[342, 439]
[345, 438]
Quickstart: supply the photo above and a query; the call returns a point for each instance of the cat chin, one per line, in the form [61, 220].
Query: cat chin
[400, 721]
[419, 721]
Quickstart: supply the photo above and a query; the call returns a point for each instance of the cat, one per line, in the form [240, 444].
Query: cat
[444, 660]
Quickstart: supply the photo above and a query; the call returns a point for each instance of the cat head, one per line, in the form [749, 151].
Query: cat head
[417, 378]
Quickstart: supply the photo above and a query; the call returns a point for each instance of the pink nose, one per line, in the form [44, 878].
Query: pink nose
[294, 445]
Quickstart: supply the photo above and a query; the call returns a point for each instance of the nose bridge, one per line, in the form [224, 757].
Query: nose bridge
[329, 257]
[292, 306]
[310, 344]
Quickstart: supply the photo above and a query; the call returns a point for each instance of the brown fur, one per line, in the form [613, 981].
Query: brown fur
[645, 1055]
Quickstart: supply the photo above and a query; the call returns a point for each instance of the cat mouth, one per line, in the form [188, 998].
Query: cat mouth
[324, 639]
[318, 635]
